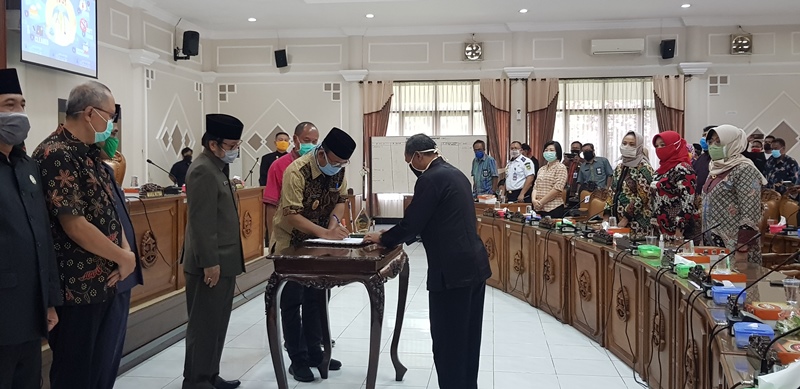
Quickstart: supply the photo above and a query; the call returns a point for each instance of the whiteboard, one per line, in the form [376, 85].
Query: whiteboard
[390, 172]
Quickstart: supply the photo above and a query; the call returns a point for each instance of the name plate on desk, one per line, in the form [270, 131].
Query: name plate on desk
[151, 195]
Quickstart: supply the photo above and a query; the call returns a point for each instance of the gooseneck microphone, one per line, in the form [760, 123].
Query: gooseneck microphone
[767, 363]
[668, 260]
[735, 314]
[702, 278]
[150, 161]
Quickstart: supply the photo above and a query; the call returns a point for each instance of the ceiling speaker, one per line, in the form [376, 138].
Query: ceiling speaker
[280, 58]
[668, 49]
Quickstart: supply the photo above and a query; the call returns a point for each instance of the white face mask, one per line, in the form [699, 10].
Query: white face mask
[514, 153]
[627, 151]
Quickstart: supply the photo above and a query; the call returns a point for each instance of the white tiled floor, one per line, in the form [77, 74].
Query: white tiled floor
[522, 347]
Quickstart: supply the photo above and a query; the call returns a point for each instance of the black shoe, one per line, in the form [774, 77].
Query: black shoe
[301, 373]
[220, 383]
[332, 366]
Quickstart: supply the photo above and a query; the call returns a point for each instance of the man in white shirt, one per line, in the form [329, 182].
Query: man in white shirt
[520, 172]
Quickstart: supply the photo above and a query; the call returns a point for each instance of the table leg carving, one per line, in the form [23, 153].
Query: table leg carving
[376, 297]
[399, 369]
[326, 333]
[272, 303]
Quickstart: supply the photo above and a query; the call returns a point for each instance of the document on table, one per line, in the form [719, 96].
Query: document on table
[345, 241]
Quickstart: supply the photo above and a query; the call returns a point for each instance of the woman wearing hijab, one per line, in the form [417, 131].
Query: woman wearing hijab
[673, 203]
[630, 202]
[732, 194]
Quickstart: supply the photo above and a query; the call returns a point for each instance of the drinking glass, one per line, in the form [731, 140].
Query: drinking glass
[612, 222]
[790, 288]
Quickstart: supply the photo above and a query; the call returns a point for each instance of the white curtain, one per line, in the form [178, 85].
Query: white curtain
[436, 108]
[602, 111]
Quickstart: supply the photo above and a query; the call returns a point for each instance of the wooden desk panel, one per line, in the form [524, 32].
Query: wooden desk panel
[520, 261]
[552, 273]
[659, 330]
[251, 222]
[491, 233]
[156, 224]
[623, 300]
[586, 293]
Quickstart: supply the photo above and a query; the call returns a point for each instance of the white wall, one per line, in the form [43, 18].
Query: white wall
[762, 90]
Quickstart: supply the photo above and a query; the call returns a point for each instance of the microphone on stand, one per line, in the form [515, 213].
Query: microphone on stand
[702, 278]
[150, 161]
[734, 313]
[768, 363]
[172, 189]
[668, 259]
[251, 171]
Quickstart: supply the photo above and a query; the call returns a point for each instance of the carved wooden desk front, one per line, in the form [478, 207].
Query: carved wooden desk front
[324, 267]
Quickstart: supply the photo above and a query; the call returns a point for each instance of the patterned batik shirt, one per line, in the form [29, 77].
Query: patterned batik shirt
[779, 170]
[76, 184]
[673, 201]
[631, 196]
[734, 203]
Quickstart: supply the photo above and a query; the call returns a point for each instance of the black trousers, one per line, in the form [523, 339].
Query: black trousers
[513, 196]
[87, 344]
[555, 213]
[302, 332]
[209, 312]
[21, 365]
[456, 320]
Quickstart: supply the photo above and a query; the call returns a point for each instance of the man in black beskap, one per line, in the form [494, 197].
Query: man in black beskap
[442, 212]
[29, 286]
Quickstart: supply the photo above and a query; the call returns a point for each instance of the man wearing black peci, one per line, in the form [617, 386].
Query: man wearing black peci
[442, 212]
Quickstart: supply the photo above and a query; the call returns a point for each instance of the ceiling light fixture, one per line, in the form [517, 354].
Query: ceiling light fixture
[686, 6]
[370, 16]
[523, 11]
[251, 20]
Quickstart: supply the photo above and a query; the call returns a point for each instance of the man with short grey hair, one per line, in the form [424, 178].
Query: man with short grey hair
[442, 212]
[92, 252]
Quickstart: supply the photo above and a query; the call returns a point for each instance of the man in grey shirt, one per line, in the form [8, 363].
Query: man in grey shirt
[596, 172]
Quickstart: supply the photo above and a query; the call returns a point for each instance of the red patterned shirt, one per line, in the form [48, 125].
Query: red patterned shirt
[76, 184]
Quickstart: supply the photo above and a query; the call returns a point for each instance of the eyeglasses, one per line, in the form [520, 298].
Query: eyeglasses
[112, 116]
[233, 146]
[337, 164]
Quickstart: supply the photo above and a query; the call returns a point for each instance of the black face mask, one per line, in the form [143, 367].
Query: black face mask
[588, 155]
[415, 171]
[187, 158]
[767, 147]
[576, 152]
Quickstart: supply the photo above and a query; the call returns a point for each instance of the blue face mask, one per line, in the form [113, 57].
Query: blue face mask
[479, 154]
[103, 136]
[305, 148]
[776, 153]
[328, 169]
[703, 144]
[230, 156]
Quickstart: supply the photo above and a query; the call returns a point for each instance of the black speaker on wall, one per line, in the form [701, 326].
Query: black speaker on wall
[668, 48]
[191, 43]
[280, 58]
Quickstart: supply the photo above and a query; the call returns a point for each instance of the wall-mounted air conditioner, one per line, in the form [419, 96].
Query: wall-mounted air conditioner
[617, 46]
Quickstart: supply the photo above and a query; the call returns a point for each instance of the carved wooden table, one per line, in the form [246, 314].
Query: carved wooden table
[324, 267]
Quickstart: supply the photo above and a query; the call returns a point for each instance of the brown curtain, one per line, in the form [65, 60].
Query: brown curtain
[670, 98]
[542, 97]
[496, 106]
[377, 102]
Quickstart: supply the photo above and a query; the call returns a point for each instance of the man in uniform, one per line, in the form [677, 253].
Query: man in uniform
[484, 171]
[312, 205]
[281, 145]
[443, 214]
[91, 248]
[520, 172]
[29, 276]
[212, 256]
[595, 172]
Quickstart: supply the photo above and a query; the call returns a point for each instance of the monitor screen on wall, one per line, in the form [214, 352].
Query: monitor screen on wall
[60, 34]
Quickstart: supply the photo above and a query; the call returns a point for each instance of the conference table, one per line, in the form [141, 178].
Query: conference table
[324, 267]
[654, 321]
